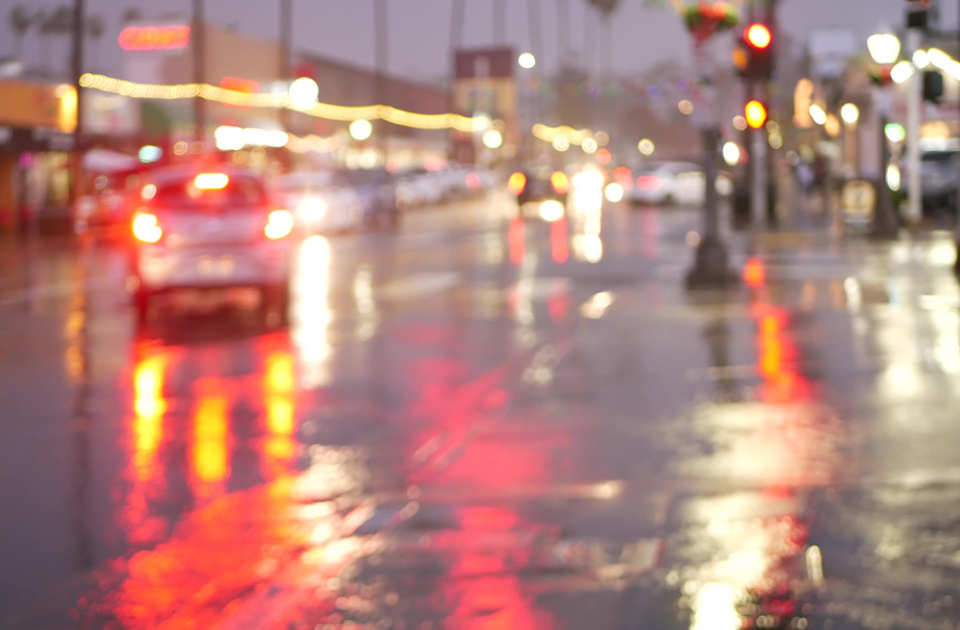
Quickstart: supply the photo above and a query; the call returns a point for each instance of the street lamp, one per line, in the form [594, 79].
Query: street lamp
[361, 130]
[850, 114]
[884, 48]
[527, 61]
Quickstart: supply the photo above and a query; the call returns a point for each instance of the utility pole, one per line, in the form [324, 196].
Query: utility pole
[199, 61]
[956, 223]
[500, 22]
[286, 52]
[914, 101]
[76, 71]
[381, 52]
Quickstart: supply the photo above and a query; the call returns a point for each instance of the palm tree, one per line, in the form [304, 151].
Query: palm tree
[96, 28]
[606, 8]
[131, 15]
[60, 22]
[20, 21]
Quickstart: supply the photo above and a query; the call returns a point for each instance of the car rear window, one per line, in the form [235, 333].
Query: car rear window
[184, 193]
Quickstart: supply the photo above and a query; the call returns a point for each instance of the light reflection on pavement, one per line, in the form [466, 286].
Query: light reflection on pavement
[494, 423]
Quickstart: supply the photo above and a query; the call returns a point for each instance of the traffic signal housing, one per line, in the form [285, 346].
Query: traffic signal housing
[753, 56]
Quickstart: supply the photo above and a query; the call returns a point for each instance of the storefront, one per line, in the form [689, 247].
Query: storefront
[36, 125]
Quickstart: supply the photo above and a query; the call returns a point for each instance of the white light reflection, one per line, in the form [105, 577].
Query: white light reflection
[312, 314]
[366, 307]
[597, 306]
[854, 297]
[715, 608]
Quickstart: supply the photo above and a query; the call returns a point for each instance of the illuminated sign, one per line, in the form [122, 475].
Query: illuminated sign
[168, 37]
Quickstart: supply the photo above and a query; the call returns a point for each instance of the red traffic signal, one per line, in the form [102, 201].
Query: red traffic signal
[756, 114]
[758, 36]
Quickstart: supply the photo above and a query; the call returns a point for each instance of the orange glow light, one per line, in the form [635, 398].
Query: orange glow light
[754, 273]
[560, 182]
[756, 114]
[516, 183]
[210, 435]
[603, 157]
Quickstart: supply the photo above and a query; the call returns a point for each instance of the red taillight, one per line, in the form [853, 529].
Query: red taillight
[560, 182]
[146, 228]
[516, 183]
[649, 182]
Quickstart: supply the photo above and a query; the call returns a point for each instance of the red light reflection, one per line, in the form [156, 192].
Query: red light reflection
[559, 242]
[517, 241]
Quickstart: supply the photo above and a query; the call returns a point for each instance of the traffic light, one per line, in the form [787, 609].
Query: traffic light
[756, 114]
[932, 86]
[754, 54]
[917, 13]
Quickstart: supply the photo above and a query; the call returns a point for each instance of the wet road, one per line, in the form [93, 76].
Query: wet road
[485, 423]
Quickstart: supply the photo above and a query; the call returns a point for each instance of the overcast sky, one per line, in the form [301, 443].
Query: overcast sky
[419, 30]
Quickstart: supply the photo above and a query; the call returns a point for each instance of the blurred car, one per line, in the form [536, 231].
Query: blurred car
[213, 228]
[102, 214]
[420, 187]
[668, 183]
[377, 189]
[546, 187]
[321, 202]
[940, 181]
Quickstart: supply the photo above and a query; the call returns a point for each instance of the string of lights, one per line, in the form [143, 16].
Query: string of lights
[327, 111]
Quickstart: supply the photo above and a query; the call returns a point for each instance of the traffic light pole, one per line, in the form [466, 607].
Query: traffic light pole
[914, 100]
[956, 224]
[758, 166]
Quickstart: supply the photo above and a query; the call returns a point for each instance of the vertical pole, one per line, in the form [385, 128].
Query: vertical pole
[885, 225]
[500, 22]
[563, 30]
[758, 167]
[197, 34]
[381, 44]
[914, 97]
[76, 70]
[286, 52]
[536, 28]
[956, 223]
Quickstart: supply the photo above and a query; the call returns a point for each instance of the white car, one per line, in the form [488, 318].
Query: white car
[321, 202]
[669, 183]
[209, 229]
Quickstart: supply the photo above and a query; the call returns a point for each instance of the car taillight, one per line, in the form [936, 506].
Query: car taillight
[146, 228]
[649, 182]
[560, 182]
[279, 224]
[516, 183]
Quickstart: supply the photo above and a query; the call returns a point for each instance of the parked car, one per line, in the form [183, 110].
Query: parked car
[195, 228]
[939, 176]
[377, 189]
[321, 202]
[668, 183]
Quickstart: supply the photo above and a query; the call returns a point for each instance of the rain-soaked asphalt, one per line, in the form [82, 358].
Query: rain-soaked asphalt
[482, 423]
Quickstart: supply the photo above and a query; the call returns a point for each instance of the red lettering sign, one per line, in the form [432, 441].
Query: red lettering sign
[155, 37]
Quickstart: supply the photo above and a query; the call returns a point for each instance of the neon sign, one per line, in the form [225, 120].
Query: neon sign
[155, 37]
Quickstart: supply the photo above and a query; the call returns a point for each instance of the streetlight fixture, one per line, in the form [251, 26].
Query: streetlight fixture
[850, 113]
[884, 48]
[304, 93]
[361, 130]
[527, 61]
